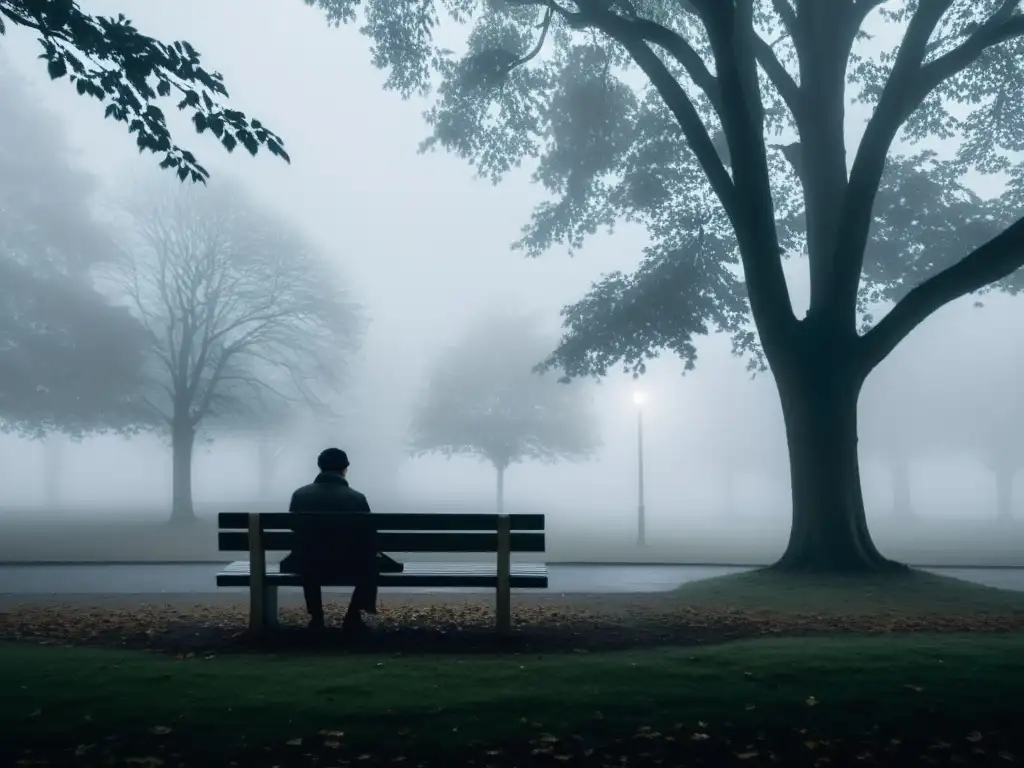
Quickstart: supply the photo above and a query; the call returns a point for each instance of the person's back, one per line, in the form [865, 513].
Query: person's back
[326, 549]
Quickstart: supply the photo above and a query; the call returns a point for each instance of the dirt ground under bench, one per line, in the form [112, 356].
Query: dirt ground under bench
[446, 623]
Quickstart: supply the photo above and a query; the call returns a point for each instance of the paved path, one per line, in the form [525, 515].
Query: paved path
[199, 578]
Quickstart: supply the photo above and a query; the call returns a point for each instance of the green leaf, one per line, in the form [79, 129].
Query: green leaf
[248, 141]
[57, 68]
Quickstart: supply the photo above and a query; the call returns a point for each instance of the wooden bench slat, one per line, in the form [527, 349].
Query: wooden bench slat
[243, 566]
[281, 541]
[524, 575]
[407, 521]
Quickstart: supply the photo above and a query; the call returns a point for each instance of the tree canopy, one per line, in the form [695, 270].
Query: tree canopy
[110, 60]
[69, 360]
[484, 399]
[721, 125]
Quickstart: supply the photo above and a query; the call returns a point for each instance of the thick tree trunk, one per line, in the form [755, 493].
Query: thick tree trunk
[501, 489]
[1004, 492]
[183, 438]
[829, 532]
[902, 504]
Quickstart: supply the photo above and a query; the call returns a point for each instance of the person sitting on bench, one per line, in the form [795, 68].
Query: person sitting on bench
[321, 558]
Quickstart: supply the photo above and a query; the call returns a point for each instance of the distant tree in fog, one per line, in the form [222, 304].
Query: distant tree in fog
[70, 361]
[966, 405]
[990, 428]
[268, 425]
[484, 399]
[238, 310]
[108, 59]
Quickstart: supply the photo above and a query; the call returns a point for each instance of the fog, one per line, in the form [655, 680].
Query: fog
[424, 247]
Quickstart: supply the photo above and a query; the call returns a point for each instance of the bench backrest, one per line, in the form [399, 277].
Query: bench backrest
[447, 532]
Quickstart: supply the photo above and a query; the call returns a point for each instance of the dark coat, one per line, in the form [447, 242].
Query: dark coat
[321, 548]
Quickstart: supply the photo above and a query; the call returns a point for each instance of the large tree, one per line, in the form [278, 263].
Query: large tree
[69, 361]
[238, 308]
[721, 125]
[110, 60]
[484, 399]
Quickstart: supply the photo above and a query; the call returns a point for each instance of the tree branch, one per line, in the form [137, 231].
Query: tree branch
[788, 16]
[894, 106]
[1001, 26]
[685, 54]
[676, 99]
[996, 259]
[862, 8]
[732, 37]
[781, 79]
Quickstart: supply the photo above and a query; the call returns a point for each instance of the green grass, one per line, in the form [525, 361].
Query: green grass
[925, 685]
[911, 593]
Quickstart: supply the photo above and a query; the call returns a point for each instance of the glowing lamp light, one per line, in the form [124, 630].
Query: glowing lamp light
[638, 398]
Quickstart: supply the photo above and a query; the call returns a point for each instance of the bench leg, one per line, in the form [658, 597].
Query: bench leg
[504, 611]
[503, 602]
[262, 607]
[270, 606]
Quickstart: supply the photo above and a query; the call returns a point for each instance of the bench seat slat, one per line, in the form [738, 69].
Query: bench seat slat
[282, 541]
[524, 575]
[396, 521]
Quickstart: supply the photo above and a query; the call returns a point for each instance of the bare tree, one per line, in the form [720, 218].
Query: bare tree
[238, 308]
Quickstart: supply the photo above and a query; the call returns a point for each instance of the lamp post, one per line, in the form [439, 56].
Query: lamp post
[641, 523]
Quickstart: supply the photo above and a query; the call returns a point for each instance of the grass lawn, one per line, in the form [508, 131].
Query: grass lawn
[909, 594]
[873, 701]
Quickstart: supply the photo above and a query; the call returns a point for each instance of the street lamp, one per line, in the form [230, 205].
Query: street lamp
[641, 523]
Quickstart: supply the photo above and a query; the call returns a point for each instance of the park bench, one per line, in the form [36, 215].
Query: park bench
[397, 535]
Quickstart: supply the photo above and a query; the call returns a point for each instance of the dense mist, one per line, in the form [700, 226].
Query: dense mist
[422, 248]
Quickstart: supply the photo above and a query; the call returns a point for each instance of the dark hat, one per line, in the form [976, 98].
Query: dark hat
[332, 460]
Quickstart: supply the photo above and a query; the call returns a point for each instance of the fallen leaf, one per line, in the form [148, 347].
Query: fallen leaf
[294, 742]
[746, 755]
[159, 730]
[811, 701]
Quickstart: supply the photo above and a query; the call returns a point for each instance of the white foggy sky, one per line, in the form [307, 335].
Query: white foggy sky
[425, 247]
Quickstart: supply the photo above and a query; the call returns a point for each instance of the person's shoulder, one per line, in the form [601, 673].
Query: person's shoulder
[358, 496]
[302, 495]
[304, 490]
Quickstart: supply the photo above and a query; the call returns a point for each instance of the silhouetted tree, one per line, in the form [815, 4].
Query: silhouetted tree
[237, 309]
[687, 156]
[484, 399]
[110, 60]
[70, 362]
[991, 428]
